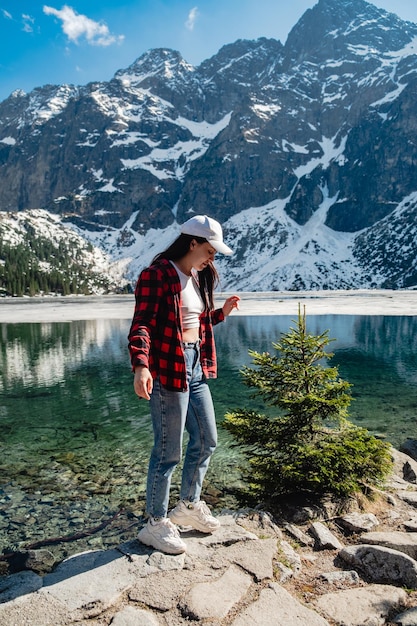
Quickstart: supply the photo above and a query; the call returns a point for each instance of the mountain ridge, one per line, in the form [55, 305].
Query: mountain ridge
[309, 144]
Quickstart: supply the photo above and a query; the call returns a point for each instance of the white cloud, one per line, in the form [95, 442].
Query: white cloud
[192, 18]
[28, 23]
[76, 25]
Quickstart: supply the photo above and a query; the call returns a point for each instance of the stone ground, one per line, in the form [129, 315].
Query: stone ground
[309, 585]
[255, 571]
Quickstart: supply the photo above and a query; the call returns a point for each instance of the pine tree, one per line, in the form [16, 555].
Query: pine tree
[309, 445]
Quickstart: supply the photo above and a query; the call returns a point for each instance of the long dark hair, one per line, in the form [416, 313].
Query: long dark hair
[208, 278]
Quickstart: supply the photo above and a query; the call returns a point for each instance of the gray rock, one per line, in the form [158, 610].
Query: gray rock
[18, 584]
[98, 579]
[396, 540]
[259, 521]
[285, 573]
[382, 565]
[408, 618]
[408, 496]
[398, 484]
[255, 557]
[409, 447]
[131, 616]
[296, 532]
[276, 606]
[358, 522]
[349, 607]
[228, 576]
[214, 599]
[405, 466]
[305, 514]
[346, 577]
[291, 558]
[410, 471]
[39, 561]
[325, 540]
[33, 609]
[161, 592]
[229, 533]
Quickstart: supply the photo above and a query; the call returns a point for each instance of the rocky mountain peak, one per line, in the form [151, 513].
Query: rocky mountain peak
[157, 64]
[305, 152]
[333, 28]
[234, 62]
[18, 93]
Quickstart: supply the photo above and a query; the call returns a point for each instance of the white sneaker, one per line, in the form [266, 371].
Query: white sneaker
[194, 514]
[162, 535]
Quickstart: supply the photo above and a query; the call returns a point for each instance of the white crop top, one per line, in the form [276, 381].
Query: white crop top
[191, 302]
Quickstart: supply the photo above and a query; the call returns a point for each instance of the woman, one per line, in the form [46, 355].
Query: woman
[173, 354]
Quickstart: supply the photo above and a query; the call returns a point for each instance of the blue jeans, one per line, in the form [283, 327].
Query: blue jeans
[171, 413]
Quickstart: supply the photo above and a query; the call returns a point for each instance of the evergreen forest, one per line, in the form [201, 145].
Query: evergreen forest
[39, 266]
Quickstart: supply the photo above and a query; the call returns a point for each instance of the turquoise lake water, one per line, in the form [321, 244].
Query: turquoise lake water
[75, 440]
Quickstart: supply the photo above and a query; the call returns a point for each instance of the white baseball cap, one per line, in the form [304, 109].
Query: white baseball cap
[207, 228]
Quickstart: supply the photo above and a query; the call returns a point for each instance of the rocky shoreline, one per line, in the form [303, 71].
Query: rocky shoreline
[317, 567]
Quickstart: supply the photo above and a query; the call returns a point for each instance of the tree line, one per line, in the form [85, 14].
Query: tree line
[38, 266]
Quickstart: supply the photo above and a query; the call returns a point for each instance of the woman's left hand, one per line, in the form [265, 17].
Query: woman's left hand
[230, 304]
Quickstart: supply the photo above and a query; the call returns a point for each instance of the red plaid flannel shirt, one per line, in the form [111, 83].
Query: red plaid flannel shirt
[155, 336]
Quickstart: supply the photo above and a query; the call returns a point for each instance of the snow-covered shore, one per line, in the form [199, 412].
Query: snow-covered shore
[352, 302]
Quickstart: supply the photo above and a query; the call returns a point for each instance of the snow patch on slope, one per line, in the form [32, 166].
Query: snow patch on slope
[174, 161]
[275, 253]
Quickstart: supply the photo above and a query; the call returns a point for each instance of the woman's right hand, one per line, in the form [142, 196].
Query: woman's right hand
[143, 382]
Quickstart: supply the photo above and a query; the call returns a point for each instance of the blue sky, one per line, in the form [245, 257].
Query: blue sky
[83, 41]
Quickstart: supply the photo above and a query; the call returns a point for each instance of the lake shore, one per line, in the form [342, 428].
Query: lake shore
[343, 302]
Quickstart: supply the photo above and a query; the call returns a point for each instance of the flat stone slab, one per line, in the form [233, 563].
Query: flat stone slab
[349, 577]
[214, 600]
[276, 606]
[161, 592]
[349, 607]
[408, 496]
[396, 540]
[33, 609]
[359, 522]
[95, 580]
[255, 557]
[131, 616]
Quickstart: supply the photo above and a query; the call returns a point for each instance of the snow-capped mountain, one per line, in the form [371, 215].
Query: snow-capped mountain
[306, 152]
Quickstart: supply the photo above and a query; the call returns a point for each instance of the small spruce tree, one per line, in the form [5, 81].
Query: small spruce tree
[309, 446]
